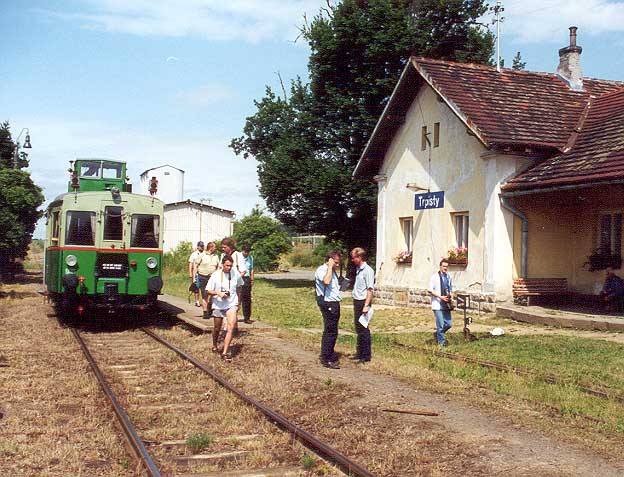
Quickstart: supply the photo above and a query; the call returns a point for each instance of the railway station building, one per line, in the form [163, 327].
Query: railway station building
[510, 174]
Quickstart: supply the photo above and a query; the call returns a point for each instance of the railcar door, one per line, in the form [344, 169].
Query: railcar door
[112, 267]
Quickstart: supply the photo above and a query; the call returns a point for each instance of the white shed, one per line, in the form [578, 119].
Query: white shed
[170, 183]
[190, 221]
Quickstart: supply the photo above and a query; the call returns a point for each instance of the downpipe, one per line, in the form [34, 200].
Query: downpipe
[525, 234]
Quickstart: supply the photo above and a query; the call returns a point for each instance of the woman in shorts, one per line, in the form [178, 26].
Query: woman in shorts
[223, 286]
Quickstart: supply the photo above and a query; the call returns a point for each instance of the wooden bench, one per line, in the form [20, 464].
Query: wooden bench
[525, 288]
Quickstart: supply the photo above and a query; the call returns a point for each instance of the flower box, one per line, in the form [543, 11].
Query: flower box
[404, 257]
[457, 256]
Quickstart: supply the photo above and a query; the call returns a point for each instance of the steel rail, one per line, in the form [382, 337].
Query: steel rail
[126, 425]
[546, 377]
[348, 466]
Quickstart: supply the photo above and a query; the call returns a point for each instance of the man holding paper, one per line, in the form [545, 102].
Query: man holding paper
[362, 298]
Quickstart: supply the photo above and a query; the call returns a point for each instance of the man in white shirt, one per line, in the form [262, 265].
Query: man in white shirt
[440, 289]
[328, 300]
[224, 286]
[191, 265]
[228, 246]
[362, 298]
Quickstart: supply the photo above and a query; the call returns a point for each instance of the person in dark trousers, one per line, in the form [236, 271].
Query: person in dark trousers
[328, 300]
[248, 279]
[440, 289]
[613, 290]
[362, 298]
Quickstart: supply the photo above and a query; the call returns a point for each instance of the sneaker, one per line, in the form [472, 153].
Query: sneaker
[330, 364]
[227, 357]
[362, 361]
[249, 321]
[197, 303]
[355, 357]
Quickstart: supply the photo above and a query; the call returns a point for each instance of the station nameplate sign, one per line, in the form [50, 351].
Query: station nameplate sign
[429, 200]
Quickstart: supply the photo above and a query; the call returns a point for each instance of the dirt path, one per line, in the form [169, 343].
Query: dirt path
[506, 448]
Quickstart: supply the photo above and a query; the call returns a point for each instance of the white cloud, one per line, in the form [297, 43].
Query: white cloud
[248, 20]
[207, 95]
[536, 21]
[211, 168]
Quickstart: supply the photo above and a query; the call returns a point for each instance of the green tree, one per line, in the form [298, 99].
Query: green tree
[518, 64]
[308, 144]
[19, 200]
[266, 237]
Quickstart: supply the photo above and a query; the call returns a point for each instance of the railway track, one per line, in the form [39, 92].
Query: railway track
[603, 393]
[127, 368]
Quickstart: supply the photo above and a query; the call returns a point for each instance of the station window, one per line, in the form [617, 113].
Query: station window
[90, 169]
[423, 138]
[461, 223]
[436, 135]
[80, 228]
[145, 231]
[113, 223]
[407, 227]
[111, 170]
[611, 233]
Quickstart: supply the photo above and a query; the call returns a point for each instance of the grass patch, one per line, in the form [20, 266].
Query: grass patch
[308, 461]
[198, 442]
[589, 362]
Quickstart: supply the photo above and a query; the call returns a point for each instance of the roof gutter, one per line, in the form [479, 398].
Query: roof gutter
[524, 262]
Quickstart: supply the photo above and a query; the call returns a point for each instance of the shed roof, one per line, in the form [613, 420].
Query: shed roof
[193, 203]
[524, 111]
[596, 153]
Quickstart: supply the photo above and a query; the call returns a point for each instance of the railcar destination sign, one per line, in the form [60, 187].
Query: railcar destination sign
[429, 200]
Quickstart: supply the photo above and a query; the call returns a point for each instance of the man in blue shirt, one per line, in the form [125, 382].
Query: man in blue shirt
[362, 298]
[613, 289]
[328, 300]
[440, 289]
[248, 284]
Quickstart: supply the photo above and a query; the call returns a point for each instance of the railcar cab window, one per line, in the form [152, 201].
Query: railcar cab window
[113, 223]
[55, 227]
[80, 228]
[145, 231]
[90, 169]
[111, 170]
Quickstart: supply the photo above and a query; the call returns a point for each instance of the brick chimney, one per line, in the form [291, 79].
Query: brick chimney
[569, 68]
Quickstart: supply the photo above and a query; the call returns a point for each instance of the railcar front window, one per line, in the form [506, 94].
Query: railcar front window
[80, 228]
[110, 170]
[113, 223]
[145, 231]
[90, 169]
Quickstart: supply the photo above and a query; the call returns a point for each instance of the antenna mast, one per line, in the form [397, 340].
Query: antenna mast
[498, 9]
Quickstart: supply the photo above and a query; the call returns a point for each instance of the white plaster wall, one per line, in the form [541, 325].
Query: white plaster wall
[471, 184]
[170, 183]
[182, 223]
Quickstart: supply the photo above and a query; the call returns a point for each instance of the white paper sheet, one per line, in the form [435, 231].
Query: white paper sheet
[366, 317]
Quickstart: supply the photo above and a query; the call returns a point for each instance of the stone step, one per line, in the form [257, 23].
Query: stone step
[180, 442]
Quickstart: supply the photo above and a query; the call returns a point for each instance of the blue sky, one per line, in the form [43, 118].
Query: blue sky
[153, 82]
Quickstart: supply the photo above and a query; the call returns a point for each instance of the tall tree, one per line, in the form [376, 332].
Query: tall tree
[19, 200]
[308, 144]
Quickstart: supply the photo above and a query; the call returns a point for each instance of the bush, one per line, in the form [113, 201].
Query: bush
[176, 261]
[266, 237]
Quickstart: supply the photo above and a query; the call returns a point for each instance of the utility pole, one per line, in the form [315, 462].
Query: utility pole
[498, 19]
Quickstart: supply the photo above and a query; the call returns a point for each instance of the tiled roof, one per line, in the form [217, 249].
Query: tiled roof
[597, 154]
[510, 109]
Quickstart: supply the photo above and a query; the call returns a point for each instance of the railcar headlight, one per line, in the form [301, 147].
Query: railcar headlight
[71, 260]
[151, 263]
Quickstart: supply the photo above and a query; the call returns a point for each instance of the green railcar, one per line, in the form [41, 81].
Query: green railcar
[103, 243]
